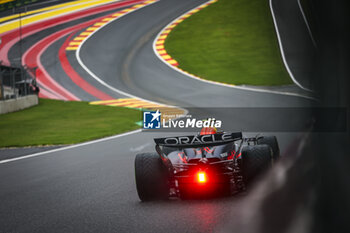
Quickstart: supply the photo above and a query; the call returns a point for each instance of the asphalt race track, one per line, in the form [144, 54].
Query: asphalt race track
[297, 39]
[91, 188]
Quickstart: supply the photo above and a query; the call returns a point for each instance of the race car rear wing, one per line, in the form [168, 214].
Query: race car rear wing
[199, 140]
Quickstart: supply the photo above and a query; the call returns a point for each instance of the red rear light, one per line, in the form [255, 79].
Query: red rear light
[201, 177]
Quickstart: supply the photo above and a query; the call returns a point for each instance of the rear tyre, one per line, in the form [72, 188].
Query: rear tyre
[272, 142]
[151, 177]
[255, 160]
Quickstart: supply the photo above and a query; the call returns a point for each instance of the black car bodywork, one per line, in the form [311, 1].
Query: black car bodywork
[202, 165]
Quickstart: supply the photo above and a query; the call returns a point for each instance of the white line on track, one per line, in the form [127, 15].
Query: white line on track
[307, 23]
[282, 50]
[69, 147]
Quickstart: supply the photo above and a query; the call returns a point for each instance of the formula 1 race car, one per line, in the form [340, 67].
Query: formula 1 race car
[202, 165]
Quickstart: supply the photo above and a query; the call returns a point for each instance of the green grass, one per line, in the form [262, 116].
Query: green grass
[54, 122]
[231, 41]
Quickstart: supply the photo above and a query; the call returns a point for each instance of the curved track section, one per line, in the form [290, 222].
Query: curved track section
[136, 70]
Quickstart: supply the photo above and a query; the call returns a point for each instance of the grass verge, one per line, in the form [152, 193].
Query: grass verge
[54, 122]
[231, 41]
